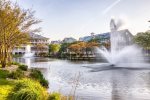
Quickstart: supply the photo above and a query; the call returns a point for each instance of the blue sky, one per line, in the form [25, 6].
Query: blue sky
[77, 18]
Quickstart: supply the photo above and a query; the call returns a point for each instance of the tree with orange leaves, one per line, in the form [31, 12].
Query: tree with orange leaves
[83, 47]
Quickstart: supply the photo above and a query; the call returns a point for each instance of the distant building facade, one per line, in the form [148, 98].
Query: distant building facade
[124, 35]
[101, 38]
[69, 40]
[38, 44]
[56, 42]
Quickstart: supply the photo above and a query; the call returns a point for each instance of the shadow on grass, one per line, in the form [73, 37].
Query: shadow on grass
[7, 82]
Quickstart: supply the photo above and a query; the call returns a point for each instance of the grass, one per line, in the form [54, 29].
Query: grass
[37, 75]
[18, 74]
[5, 87]
[27, 89]
[54, 96]
[32, 87]
[3, 74]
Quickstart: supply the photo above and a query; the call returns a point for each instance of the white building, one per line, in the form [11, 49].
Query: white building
[38, 44]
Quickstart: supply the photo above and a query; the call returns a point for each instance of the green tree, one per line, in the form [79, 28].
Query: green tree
[54, 48]
[15, 23]
[63, 50]
[98, 40]
[143, 39]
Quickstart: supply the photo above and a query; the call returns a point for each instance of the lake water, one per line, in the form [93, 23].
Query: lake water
[77, 78]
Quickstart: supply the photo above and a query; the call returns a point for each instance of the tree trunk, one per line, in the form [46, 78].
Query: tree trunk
[3, 62]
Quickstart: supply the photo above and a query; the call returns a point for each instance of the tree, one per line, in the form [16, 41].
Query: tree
[15, 24]
[143, 39]
[63, 47]
[83, 47]
[75, 47]
[54, 48]
[41, 47]
[63, 50]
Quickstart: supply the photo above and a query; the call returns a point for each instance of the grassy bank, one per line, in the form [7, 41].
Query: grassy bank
[20, 83]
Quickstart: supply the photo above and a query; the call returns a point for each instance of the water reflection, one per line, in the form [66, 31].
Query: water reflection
[116, 84]
[120, 85]
[130, 85]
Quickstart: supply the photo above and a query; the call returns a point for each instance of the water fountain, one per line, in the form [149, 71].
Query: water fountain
[123, 52]
[28, 52]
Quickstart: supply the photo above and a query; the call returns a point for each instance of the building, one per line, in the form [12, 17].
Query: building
[69, 40]
[119, 38]
[38, 44]
[125, 37]
[56, 42]
[87, 38]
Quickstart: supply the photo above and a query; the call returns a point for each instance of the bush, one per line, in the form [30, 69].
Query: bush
[18, 74]
[27, 89]
[44, 82]
[15, 63]
[54, 96]
[4, 74]
[37, 75]
[23, 67]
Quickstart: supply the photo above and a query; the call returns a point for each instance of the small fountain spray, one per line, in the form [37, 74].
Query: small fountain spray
[28, 52]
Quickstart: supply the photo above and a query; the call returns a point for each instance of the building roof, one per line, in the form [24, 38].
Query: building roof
[86, 38]
[36, 36]
[105, 35]
[69, 40]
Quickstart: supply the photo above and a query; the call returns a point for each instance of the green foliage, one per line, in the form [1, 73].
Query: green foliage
[4, 74]
[4, 91]
[54, 96]
[5, 87]
[143, 39]
[98, 40]
[15, 24]
[23, 67]
[54, 48]
[18, 74]
[15, 63]
[27, 89]
[64, 46]
[44, 82]
[37, 75]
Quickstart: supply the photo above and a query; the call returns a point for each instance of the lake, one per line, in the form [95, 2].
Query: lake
[79, 79]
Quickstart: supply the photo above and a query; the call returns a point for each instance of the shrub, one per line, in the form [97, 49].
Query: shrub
[4, 74]
[44, 82]
[27, 89]
[37, 75]
[16, 74]
[15, 63]
[54, 96]
[23, 67]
